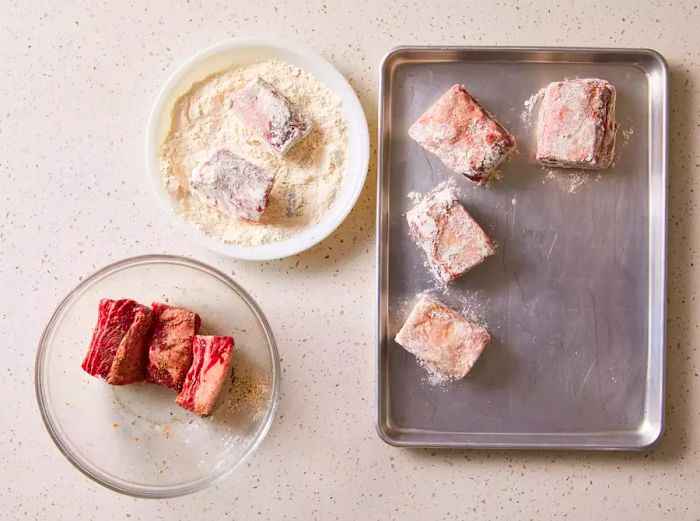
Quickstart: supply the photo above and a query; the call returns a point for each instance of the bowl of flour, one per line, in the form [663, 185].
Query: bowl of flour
[317, 182]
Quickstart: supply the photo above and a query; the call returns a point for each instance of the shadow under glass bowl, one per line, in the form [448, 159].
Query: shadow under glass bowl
[134, 439]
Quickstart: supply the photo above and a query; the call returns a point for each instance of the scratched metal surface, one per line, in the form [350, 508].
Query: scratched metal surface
[574, 297]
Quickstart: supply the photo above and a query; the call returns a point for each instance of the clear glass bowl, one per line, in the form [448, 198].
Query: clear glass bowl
[134, 439]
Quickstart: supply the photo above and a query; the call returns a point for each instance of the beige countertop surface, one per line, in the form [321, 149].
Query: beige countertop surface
[78, 82]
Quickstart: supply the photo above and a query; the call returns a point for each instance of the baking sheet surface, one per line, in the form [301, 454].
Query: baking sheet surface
[570, 293]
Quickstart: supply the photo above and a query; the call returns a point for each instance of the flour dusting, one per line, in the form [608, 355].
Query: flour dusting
[307, 178]
[449, 184]
[415, 197]
[627, 134]
[569, 180]
[471, 304]
[433, 377]
[529, 106]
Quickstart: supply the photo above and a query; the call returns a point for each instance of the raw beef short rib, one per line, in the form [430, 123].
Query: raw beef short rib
[170, 345]
[270, 116]
[117, 350]
[463, 135]
[210, 363]
[233, 185]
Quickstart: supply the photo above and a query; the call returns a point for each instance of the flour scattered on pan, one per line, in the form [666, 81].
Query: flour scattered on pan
[471, 304]
[570, 181]
[404, 307]
[529, 106]
[433, 377]
[307, 178]
[415, 197]
[627, 135]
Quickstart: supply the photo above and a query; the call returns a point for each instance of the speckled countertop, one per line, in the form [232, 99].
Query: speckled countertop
[77, 85]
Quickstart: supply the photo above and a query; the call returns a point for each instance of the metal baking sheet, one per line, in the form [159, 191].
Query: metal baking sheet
[575, 295]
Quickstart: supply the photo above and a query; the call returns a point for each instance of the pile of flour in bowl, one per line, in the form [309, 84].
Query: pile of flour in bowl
[308, 177]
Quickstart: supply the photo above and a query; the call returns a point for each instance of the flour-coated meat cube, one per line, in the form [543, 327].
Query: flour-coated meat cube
[463, 135]
[443, 339]
[452, 240]
[233, 185]
[576, 126]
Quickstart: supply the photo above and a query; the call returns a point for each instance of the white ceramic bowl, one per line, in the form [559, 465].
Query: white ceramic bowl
[235, 53]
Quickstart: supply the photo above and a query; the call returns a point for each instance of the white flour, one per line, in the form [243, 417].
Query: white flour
[471, 304]
[433, 377]
[570, 180]
[529, 105]
[416, 198]
[627, 135]
[307, 177]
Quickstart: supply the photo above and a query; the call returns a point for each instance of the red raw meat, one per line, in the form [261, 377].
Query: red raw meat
[450, 237]
[211, 360]
[117, 350]
[170, 345]
[269, 115]
[443, 339]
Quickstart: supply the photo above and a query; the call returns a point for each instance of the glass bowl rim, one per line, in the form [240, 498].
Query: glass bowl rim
[118, 485]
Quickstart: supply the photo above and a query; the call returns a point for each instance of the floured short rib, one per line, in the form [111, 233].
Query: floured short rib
[576, 126]
[450, 237]
[463, 135]
[210, 363]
